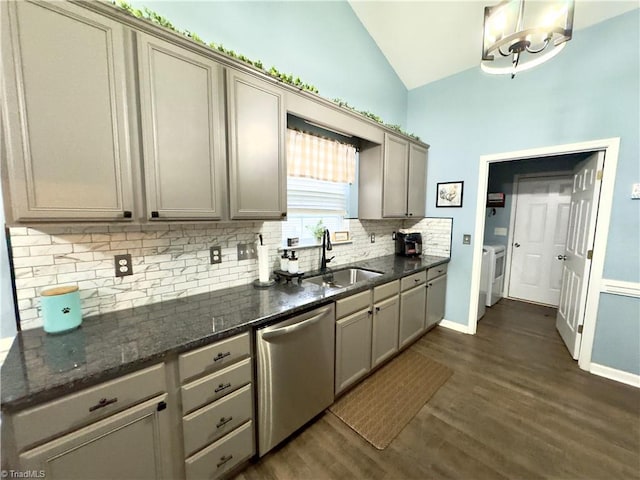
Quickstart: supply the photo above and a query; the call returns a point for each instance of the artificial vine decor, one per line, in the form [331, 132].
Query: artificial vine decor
[154, 17]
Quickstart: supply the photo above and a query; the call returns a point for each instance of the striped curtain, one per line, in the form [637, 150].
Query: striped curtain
[309, 156]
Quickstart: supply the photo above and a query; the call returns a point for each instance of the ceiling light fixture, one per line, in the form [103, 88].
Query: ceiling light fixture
[515, 40]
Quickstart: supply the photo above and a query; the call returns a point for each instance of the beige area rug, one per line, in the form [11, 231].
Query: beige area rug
[383, 404]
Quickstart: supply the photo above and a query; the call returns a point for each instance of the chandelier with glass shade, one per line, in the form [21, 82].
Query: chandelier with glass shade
[518, 37]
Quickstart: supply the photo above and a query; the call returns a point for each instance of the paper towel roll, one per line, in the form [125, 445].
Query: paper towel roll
[263, 263]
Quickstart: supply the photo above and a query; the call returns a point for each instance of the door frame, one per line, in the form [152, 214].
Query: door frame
[611, 147]
[512, 219]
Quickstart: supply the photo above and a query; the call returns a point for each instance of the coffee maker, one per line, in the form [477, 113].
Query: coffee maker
[409, 244]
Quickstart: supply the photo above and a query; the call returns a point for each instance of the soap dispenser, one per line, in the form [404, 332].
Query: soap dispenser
[284, 261]
[293, 263]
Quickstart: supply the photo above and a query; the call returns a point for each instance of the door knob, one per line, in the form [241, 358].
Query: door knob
[516, 245]
[562, 257]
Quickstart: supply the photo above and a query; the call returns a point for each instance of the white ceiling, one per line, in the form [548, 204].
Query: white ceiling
[426, 40]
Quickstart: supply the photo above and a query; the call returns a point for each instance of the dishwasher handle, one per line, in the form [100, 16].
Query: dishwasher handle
[295, 327]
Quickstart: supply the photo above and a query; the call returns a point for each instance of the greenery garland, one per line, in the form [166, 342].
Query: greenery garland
[154, 17]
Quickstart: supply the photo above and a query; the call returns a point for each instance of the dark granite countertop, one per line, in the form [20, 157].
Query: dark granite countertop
[40, 367]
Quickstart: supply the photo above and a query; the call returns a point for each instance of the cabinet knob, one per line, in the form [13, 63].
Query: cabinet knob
[377, 309]
[411, 214]
[127, 214]
[283, 214]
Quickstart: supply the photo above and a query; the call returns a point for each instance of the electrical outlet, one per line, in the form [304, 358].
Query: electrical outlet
[215, 253]
[123, 265]
[373, 238]
[466, 239]
[393, 235]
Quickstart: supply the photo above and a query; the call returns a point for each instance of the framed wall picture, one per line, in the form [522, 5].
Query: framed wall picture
[449, 194]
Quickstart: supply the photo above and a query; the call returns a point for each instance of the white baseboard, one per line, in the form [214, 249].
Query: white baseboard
[614, 374]
[458, 327]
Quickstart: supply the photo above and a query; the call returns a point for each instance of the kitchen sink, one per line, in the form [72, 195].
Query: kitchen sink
[343, 278]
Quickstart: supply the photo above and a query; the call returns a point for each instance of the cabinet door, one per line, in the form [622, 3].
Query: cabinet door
[412, 314]
[384, 341]
[131, 444]
[394, 194]
[65, 102]
[436, 296]
[257, 167]
[417, 186]
[353, 348]
[182, 108]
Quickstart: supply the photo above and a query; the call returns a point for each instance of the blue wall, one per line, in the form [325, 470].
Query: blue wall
[590, 91]
[322, 42]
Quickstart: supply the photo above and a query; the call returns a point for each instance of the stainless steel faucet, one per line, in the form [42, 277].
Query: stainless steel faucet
[326, 245]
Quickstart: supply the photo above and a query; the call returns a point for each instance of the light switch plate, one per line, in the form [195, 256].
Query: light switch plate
[466, 239]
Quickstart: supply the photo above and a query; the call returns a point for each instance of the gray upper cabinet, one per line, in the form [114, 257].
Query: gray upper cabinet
[257, 166]
[396, 163]
[417, 181]
[64, 98]
[393, 179]
[183, 135]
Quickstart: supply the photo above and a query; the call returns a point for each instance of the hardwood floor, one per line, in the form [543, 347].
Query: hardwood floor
[517, 406]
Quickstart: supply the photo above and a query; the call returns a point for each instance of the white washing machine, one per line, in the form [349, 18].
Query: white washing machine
[495, 277]
[484, 281]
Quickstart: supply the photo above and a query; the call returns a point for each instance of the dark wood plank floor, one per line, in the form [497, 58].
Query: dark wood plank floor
[516, 407]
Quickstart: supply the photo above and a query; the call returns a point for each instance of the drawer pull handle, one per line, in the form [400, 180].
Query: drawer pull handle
[416, 280]
[223, 422]
[224, 459]
[220, 356]
[103, 403]
[222, 386]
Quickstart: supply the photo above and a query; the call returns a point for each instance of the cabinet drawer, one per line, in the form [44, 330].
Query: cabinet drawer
[434, 272]
[86, 406]
[215, 386]
[213, 357]
[385, 291]
[413, 280]
[352, 304]
[212, 422]
[219, 458]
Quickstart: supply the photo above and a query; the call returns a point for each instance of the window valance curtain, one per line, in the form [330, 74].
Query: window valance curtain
[309, 156]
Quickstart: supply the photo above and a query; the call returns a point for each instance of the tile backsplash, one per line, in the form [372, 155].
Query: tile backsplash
[172, 260]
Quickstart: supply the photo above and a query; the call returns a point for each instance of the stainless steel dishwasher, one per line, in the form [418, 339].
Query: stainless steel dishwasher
[296, 359]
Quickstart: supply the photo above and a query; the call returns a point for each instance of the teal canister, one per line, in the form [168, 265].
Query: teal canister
[60, 309]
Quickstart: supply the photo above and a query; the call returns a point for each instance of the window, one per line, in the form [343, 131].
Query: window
[321, 173]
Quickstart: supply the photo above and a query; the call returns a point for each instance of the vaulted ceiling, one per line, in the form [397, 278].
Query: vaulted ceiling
[428, 40]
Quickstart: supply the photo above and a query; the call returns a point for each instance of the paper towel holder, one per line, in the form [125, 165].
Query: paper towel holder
[258, 284]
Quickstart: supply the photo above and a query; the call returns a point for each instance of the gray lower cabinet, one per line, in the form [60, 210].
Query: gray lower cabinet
[436, 296]
[384, 340]
[218, 405]
[353, 348]
[257, 165]
[183, 131]
[130, 444]
[117, 429]
[412, 308]
[66, 129]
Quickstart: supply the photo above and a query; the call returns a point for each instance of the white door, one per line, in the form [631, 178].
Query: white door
[576, 260]
[540, 235]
